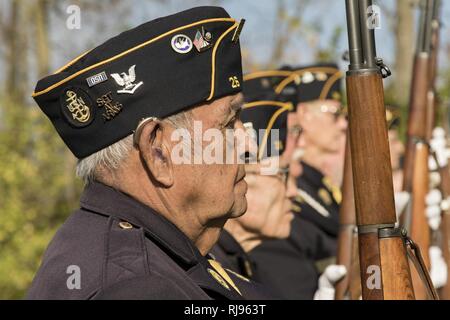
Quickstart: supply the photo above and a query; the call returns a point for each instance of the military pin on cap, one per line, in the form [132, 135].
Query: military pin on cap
[181, 43]
[127, 80]
[203, 40]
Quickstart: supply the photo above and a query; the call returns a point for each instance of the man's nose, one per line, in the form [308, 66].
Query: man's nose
[342, 123]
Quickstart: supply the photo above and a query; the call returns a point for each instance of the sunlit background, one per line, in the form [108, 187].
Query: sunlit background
[38, 188]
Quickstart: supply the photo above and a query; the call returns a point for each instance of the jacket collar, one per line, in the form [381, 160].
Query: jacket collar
[108, 201]
[310, 174]
[229, 244]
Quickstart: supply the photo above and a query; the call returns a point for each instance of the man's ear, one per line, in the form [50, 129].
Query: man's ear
[155, 154]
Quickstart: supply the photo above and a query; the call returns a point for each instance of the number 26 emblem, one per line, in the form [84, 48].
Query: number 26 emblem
[234, 82]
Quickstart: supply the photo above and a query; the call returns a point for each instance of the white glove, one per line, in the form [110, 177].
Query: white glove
[435, 179]
[439, 146]
[445, 204]
[433, 210]
[438, 270]
[332, 274]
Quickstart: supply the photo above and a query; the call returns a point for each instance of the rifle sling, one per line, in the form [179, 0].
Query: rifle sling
[415, 256]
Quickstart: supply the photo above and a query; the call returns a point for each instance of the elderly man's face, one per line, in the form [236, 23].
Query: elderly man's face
[269, 206]
[323, 125]
[215, 191]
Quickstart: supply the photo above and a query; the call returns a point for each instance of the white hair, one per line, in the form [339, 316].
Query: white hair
[110, 158]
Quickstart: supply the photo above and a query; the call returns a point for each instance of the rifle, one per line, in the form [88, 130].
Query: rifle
[444, 292]
[383, 248]
[347, 248]
[443, 235]
[420, 125]
[418, 97]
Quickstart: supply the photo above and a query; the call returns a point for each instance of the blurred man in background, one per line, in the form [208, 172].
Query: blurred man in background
[269, 196]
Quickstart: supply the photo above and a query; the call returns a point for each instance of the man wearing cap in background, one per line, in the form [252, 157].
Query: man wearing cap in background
[319, 114]
[269, 194]
[287, 265]
[147, 221]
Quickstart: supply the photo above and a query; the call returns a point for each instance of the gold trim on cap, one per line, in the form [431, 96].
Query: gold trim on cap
[213, 67]
[268, 73]
[284, 106]
[300, 72]
[326, 88]
[117, 56]
[72, 62]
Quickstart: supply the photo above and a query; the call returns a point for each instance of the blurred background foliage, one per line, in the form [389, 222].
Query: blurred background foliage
[38, 188]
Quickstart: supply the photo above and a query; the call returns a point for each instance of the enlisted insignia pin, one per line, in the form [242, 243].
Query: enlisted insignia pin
[336, 95]
[96, 79]
[218, 278]
[307, 77]
[112, 108]
[265, 82]
[321, 76]
[278, 145]
[202, 40]
[126, 80]
[325, 196]
[76, 107]
[335, 190]
[181, 43]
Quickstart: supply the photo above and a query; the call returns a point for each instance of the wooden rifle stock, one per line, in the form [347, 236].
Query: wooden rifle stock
[419, 229]
[417, 115]
[443, 233]
[374, 196]
[420, 126]
[384, 267]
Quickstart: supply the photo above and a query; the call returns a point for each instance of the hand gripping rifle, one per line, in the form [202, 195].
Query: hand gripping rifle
[383, 248]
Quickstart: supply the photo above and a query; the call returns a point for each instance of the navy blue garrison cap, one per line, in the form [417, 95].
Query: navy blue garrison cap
[157, 69]
[311, 82]
[262, 110]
